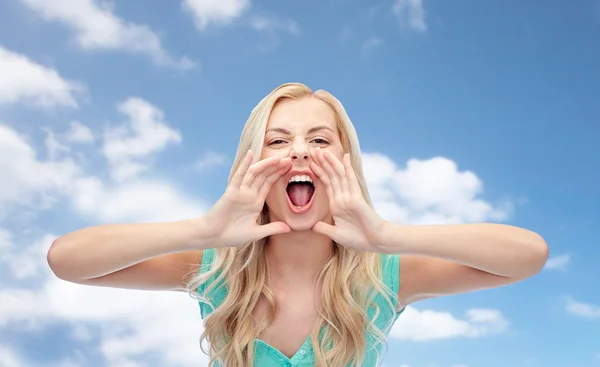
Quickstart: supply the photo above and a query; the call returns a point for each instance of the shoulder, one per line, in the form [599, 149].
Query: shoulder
[206, 265]
[211, 290]
[390, 267]
[390, 271]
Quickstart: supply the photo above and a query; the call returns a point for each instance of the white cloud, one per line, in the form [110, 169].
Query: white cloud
[24, 81]
[124, 325]
[371, 44]
[137, 200]
[97, 28]
[264, 23]
[584, 310]
[215, 12]
[558, 262]
[431, 325]
[36, 183]
[209, 160]
[5, 242]
[25, 261]
[79, 133]
[53, 146]
[411, 14]
[431, 191]
[10, 358]
[137, 324]
[28, 180]
[129, 147]
[132, 323]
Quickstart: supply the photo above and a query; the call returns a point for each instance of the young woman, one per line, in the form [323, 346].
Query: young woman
[297, 269]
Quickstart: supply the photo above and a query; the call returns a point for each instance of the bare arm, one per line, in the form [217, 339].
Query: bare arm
[139, 256]
[162, 255]
[449, 259]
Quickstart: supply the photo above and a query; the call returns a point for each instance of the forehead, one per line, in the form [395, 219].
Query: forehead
[301, 114]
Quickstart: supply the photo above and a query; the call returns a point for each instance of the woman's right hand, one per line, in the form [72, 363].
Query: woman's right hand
[232, 221]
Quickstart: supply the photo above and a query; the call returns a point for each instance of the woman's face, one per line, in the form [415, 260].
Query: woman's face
[299, 198]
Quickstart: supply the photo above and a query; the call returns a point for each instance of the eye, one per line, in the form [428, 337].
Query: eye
[276, 141]
[320, 141]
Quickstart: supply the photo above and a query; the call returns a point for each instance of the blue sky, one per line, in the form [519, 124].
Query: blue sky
[470, 111]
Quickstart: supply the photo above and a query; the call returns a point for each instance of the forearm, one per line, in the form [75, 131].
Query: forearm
[99, 250]
[495, 248]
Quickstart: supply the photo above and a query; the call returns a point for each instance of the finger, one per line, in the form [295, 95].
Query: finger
[318, 169]
[273, 228]
[322, 175]
[236, 180]
[317, 158]
[340, 170]
[324, 228]
[353, 184]
[263, 190]
[260, 177]
[335, 179]
[257, 168]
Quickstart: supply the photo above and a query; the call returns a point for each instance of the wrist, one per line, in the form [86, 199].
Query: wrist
[202, 233]
[392, 239]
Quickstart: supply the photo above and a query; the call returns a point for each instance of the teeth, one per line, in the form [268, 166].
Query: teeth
[300, 178]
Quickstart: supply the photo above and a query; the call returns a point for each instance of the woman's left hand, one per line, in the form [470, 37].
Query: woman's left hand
[356, 224]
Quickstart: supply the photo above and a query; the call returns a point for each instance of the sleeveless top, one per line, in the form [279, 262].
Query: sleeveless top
[267, 356]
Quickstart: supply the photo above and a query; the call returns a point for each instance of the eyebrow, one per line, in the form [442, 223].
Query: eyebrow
[310, 131]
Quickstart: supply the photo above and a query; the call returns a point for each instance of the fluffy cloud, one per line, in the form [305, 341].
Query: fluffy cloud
[97, 28]
[584, 310]
[35, 182]
[130, 146]
[559, 262]
[263, 23]
[208, 160]
[28, 179]
[79, 133]
[423, 325]
[22, 80]
[139, 323]
[411, 14]
[219, 13]
[26, 261]
[432, 191]
[215, 12]
[134, 201]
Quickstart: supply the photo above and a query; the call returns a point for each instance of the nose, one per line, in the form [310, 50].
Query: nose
[299, 151]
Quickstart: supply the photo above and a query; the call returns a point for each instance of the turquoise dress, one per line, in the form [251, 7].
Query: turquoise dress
[268, 356]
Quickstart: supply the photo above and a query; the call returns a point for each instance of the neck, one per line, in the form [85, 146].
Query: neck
[297, 256]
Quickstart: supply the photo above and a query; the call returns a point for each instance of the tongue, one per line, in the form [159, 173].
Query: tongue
[300, 194]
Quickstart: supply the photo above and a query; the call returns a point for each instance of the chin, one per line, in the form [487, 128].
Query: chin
[303, 222]
[299, 225]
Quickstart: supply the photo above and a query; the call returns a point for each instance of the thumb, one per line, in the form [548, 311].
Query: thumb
[324, 228]
[273, 228]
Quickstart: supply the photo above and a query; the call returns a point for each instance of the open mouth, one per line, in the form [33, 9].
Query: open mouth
[300, 193]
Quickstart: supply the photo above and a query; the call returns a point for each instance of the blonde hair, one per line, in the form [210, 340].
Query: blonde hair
[350, 279]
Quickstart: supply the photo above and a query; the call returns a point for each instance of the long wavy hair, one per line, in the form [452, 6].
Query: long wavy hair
[350, 280]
